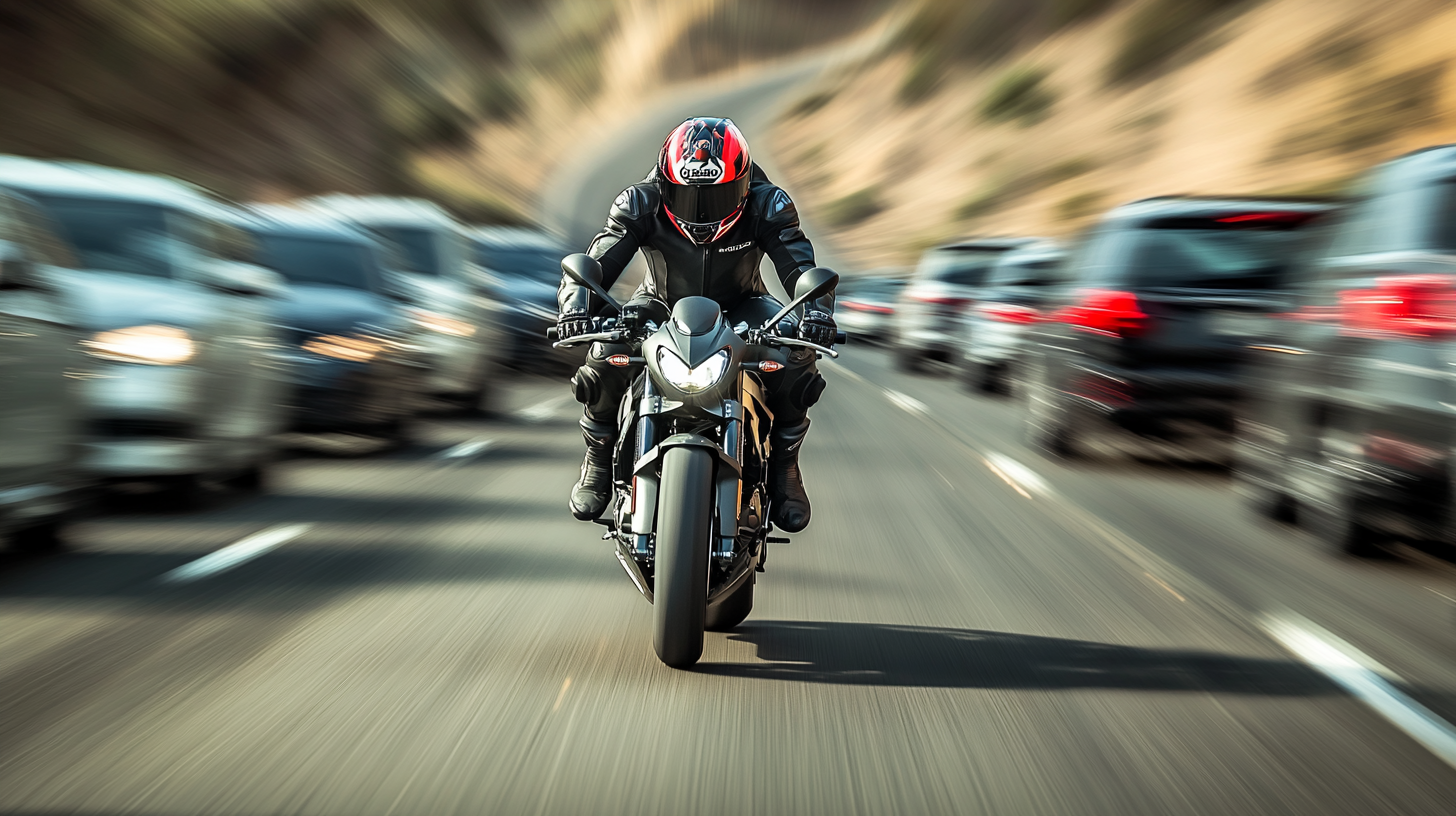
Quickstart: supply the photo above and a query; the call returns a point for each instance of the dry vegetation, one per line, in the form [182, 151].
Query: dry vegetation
[1078, 106]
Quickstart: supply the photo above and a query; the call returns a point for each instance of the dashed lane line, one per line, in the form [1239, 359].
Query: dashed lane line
[907, 402]
[465, 450]
[543, 411]
[234, 554]
[1365, 680]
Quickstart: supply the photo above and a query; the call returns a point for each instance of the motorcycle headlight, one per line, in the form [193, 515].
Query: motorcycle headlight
[692, 380]
[444, 324]
[150, 345]
[353, 348]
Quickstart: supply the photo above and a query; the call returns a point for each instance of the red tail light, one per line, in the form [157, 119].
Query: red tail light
[1401, 305]
[866, 307]
[1108, 313]
[1010, 313]
[942, 300]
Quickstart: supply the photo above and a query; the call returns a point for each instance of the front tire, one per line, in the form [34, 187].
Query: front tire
[680, 591]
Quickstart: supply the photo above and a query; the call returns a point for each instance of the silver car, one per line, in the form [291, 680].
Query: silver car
[451, 297]
[41, 366]
[947, 281]
[189, 374]
[1010, 304]
[865, 306]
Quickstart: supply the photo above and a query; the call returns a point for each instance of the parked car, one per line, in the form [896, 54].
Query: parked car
[41, 366]
[526, 266]
[993, 334]
[355, 354]
[866, 306]
[1350, 420]
[450, 297]
[946, 282]
[189, 376]
[1160, 302]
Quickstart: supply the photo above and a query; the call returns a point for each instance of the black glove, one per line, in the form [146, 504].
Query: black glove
[572, 324]
[818, 328]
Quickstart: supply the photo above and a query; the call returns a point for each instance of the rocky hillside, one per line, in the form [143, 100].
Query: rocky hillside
[1031, 117]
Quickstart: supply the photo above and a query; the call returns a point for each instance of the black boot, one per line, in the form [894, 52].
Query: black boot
[592, 492]
[785, 482]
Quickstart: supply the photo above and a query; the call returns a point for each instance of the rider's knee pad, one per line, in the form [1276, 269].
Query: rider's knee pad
[808, 391]
[586, 385]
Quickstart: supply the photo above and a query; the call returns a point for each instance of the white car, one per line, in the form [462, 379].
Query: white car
[189, 376]
[450, 296]
[1011, 303]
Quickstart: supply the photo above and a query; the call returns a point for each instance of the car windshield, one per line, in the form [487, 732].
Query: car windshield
[533, 263]
[320, 261]
[416, 246]
[120, 236]
[961, 267]
[1212, 258]
[871, 290]
[1022, 273]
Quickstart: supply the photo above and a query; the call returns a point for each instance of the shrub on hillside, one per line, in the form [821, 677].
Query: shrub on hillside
[853, 208]
[1162, 29]
[1020, 93]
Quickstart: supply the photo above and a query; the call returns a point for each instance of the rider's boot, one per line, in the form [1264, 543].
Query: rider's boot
[785, 482]
[592, 492]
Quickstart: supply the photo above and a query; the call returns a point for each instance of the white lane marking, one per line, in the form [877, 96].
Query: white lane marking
[235, 554]
[1442, 594]
[465, 450]
[844, 369]
[907, 402]
[1362, 677]
[1164, 584]
[543, 411]
[1017, 475]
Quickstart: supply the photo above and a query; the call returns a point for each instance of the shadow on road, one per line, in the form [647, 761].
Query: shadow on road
[871, 654]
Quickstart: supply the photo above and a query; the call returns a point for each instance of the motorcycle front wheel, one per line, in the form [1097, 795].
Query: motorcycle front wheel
[680, 591]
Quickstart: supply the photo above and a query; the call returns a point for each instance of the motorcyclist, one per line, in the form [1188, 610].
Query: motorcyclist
[703, 218]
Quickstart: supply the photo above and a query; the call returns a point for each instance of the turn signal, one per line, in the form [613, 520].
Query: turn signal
[619, 360]
[769, 366]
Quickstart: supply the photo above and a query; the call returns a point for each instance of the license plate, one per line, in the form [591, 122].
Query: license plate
[1236, 324]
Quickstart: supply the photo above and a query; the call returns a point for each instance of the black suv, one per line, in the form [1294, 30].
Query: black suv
[1352, 404]
[1151, 321]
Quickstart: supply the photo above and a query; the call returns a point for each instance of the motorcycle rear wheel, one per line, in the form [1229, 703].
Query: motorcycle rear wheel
[680, 591]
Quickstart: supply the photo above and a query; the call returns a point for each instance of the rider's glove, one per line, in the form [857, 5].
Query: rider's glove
[818, 328]
[572, 324]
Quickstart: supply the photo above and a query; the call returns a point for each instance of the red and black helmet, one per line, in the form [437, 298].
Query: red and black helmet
[703, 173]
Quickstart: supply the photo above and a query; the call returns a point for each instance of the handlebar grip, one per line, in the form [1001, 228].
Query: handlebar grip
[551, 334]
[840, 338]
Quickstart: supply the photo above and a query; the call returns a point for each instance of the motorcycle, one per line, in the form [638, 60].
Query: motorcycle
[690, 474]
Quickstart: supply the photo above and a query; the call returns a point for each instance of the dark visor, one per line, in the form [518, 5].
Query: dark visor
[704, 203]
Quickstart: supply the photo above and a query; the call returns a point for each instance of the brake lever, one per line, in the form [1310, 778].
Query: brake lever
[790, 341]
[608, 337]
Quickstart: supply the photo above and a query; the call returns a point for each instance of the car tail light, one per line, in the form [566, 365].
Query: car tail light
[1010, 313]
[942, 300]
[1401, 305]
[1108, 313]
[867, 307]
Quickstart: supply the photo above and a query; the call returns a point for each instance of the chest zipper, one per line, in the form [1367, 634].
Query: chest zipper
[703, 280]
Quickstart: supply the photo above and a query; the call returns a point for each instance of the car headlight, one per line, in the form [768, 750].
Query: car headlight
[150, 345]
[353, 348]
[692, 380]
[436, 322]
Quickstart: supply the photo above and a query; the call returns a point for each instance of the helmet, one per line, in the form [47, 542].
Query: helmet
[703, 174]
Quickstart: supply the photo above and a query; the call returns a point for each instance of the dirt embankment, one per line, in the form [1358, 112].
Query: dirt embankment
[1284, 96]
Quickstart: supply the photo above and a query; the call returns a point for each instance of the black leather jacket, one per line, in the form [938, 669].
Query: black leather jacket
[725, 270]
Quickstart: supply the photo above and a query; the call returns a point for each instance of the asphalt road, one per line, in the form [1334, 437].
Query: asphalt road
[965, 628]
[444, 638]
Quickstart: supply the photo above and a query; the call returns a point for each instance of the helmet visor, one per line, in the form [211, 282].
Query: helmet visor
[704, 203]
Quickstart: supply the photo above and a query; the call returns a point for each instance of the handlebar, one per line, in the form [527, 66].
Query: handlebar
[617, 335]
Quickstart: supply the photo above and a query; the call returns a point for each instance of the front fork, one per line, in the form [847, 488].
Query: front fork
[645, 482]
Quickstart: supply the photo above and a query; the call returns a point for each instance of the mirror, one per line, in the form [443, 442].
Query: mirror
[812, 284]
[585, 270]
[815, 283]
[244, 279]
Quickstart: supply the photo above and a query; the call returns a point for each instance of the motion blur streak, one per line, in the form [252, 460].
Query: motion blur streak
[1133, 488]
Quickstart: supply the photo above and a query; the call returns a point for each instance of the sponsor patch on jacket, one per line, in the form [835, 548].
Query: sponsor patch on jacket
[735, 248]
